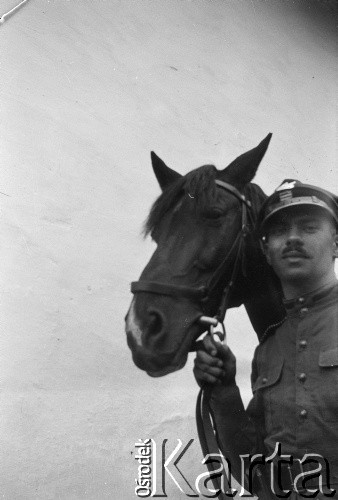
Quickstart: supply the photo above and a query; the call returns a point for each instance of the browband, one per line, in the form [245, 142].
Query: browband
[234, 191]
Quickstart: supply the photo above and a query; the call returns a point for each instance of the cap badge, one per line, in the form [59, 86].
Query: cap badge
[285, 196]
[286, 185]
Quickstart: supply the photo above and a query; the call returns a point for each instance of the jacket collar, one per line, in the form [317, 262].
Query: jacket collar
[321, 296]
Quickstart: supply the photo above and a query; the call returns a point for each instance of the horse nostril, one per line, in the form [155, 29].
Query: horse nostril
[156, 324]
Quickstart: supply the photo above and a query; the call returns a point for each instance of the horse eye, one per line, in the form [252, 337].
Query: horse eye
[213, 214]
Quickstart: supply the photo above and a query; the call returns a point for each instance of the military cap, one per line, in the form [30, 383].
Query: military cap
[293, 193]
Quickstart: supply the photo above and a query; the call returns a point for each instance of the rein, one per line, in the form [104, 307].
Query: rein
[207, 431]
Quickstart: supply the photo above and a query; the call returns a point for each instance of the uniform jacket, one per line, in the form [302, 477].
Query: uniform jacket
[295, 388]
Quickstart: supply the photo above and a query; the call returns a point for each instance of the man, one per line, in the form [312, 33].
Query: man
[294, 410]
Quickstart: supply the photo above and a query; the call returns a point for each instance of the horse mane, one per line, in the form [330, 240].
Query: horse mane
[199, 184]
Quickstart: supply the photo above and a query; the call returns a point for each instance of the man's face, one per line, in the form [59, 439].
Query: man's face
[301, 245]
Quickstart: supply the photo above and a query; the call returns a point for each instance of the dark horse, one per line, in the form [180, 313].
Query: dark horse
[196, 223]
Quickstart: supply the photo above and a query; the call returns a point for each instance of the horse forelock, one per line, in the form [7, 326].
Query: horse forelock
[199, 184]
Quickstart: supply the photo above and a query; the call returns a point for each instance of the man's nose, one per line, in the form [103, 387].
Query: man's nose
[293, 234]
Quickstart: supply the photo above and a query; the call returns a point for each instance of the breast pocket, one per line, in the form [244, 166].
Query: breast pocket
[269, 390]
[327, 388]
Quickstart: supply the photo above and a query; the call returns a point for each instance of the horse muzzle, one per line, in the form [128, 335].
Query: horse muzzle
[159, 341]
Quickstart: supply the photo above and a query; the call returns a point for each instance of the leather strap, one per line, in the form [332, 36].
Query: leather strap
[167, 289]
[208, 440]
[234, 191]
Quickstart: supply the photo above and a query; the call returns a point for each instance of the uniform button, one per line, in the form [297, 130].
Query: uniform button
[264, 380]
[302, 377]
[303, 311]
[303, 413]
[303, 343]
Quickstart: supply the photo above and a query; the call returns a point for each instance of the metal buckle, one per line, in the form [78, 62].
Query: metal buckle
[208, 320]
[219, 334]
[213, 323]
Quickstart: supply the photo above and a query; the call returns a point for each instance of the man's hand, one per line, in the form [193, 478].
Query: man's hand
[215, 365]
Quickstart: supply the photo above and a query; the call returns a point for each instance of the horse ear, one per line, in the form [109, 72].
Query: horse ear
[164, 174]
[242, 170]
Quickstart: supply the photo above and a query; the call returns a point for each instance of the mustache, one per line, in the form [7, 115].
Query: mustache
[295, 250]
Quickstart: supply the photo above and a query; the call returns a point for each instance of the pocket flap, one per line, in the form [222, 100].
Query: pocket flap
[329, 358]
[269, 376]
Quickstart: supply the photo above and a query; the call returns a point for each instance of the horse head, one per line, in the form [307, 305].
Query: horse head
[197, 224]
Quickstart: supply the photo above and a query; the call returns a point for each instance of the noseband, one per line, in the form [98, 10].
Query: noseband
[203, 294]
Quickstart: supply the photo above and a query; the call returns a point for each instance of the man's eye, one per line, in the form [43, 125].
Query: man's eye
[310, 227]
[277, 230]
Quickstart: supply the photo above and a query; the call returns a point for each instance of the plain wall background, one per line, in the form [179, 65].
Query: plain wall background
[88, 88]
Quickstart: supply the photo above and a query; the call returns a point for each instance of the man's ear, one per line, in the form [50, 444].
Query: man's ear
[265, 249]
[335, 246]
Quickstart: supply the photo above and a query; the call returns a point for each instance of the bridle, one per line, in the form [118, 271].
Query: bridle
[207, 430]
[203, 294]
